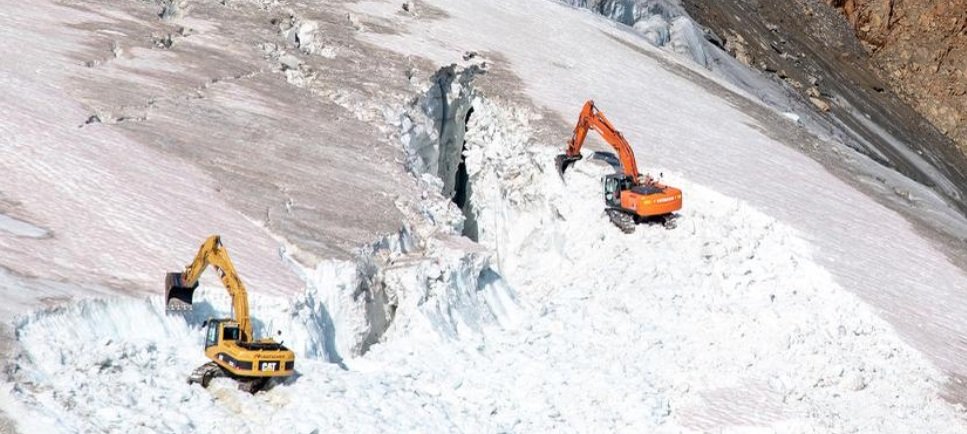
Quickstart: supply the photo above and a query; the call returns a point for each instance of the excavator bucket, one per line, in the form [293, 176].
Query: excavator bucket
[563, 161]
[177, 295]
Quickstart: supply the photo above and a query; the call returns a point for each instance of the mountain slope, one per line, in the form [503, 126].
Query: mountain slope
[762, 310]
[921, 49]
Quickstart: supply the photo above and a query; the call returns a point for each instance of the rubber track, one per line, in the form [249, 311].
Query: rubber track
[622, 220]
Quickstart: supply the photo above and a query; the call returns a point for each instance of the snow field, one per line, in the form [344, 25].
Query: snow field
[556, 321]
[736, 323]
[677, 116]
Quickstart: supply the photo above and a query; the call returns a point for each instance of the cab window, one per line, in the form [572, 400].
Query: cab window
[210, 340]
[230, 334]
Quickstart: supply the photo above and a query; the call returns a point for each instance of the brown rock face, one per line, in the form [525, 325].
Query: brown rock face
[920, 48]
[810, 47]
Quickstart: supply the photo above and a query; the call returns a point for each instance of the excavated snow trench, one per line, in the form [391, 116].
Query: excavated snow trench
[553, 321]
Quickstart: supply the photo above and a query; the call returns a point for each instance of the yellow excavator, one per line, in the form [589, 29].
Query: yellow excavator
[229, 342]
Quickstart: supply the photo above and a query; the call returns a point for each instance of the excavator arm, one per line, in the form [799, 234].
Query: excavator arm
[179, 287]
[592, 118]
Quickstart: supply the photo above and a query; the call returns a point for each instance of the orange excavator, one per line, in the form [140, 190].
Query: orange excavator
[629, 196]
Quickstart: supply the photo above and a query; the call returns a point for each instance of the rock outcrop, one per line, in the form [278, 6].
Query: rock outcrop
[920, 48]
[809, 47]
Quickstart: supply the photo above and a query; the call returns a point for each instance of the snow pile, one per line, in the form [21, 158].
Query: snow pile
[121, 365]
[88, 362]
[734, 320]
[757, 334]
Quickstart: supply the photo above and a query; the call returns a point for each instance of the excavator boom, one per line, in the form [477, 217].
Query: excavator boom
[592, 118]
[629, 197]
[180, 287]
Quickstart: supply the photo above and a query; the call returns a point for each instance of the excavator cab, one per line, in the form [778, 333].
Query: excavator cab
[612, 190]
[220, 330]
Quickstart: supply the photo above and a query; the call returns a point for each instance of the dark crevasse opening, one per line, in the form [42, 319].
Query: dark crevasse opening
[462, 188]
[440, 149]
[460, 195]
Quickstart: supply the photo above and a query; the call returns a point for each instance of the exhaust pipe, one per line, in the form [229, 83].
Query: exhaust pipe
[177, 294]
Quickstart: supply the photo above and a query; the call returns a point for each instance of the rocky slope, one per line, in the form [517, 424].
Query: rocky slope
[808, 47]
[920, 48]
